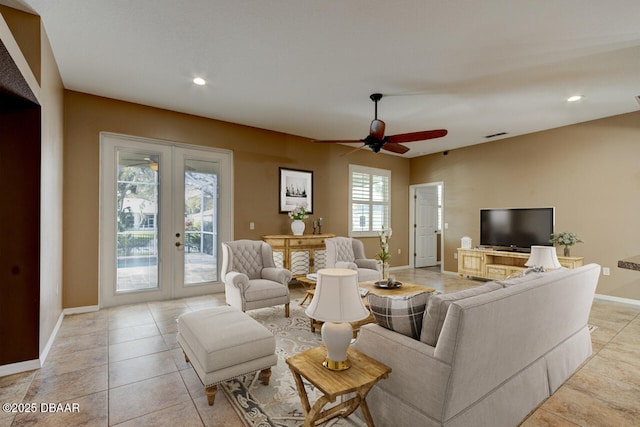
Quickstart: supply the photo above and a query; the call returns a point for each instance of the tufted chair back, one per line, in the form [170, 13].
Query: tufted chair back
[246, 256]
[343, 249]
[251, 279]
[346, 252]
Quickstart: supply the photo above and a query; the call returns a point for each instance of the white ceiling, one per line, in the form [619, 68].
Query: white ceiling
[307, 67]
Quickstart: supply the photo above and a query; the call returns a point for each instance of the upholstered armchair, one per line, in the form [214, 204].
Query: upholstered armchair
[346, 252]
[251, 279]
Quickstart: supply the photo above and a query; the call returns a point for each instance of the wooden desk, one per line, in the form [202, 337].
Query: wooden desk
[363, 374]
[299, 254]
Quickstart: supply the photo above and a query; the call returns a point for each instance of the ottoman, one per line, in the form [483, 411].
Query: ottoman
[222, 343]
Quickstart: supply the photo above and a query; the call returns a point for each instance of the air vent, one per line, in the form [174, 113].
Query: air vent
[496, 134]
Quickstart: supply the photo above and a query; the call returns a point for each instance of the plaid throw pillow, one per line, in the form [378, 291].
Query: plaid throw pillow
[400, 314]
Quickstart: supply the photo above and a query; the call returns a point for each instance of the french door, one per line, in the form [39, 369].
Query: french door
[165, 208]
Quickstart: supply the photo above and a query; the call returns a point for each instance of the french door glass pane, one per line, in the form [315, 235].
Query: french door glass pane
[137, 221]
[200, 222]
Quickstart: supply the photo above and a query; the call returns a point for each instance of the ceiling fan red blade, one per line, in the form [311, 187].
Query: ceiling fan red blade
[336, 141]
[417, 136]
[395, 148]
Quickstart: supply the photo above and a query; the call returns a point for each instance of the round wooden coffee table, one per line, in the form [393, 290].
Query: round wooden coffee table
[406, 289]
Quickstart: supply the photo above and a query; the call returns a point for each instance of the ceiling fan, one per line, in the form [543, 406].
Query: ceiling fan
[376, 140]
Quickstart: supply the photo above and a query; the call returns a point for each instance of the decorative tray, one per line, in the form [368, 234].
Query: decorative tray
[383, 284]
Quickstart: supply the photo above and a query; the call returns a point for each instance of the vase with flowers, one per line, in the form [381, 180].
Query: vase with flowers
[566, 239]
[384, 255]
[298, 214]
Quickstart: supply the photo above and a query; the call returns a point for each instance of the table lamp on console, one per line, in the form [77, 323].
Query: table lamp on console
[543, 256]
[337, 302]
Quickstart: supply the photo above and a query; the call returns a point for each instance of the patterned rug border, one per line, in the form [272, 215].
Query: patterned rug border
[278, 404]
[245, 405]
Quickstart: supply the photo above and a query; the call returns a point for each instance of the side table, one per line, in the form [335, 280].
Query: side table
[363, 374]
[309, 286]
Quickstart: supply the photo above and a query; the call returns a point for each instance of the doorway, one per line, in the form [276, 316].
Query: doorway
[165, 208]
[426, 229]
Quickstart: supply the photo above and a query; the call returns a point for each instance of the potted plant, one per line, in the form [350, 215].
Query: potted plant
[566, 239]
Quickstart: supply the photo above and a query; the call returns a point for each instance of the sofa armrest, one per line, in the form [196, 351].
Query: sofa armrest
[371, 264]
[237, 280]
[280, 275]
[347, 265]
[417, 378]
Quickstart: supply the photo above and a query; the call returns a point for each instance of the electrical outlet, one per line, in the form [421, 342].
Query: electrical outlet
[399, 251]
[606, 271]
[455, 255]
[252, 226]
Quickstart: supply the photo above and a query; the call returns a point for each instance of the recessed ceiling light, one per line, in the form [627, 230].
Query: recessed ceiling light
[199, 81]
[575, 98]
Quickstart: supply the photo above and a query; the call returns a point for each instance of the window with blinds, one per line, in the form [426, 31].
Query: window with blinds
[369, 200]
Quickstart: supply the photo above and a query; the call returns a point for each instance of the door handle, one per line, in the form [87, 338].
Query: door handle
[178, 244]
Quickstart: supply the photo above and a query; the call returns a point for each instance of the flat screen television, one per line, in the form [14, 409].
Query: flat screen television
[516, 229]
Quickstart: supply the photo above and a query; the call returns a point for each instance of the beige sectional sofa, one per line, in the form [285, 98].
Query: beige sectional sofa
[498, 355]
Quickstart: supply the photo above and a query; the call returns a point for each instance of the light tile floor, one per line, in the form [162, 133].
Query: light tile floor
[122, 366]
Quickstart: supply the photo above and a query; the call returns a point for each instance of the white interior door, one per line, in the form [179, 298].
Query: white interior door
[165, 208]
[426, 226]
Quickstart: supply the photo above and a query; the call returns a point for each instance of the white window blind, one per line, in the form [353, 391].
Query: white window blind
[369, 200]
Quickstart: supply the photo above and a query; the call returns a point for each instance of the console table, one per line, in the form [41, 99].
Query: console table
[498, 265]
[299, 254]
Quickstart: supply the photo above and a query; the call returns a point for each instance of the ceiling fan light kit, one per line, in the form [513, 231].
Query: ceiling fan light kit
[376, 140]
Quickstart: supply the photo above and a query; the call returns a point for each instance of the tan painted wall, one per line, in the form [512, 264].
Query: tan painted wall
[26, 29]
[590, 172]
[51, 241]
[257, 156]
[29, 47]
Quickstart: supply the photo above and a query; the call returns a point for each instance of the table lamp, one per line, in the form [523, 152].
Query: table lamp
[543, 256]
[337, 302]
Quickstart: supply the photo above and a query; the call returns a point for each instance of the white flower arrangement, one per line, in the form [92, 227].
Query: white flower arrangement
[566, 239]
[299, 212]
[384, 234]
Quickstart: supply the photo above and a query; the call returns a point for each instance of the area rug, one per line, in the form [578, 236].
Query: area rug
[278, 404]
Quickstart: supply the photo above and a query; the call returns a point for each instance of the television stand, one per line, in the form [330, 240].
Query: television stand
[497, 265]
[514, 250]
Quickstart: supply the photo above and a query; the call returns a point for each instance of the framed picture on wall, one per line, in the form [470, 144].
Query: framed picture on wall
[296, 188]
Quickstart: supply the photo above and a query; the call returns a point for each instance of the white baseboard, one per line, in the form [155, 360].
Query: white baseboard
[29, 365]
[629, 301]
[45, 351]
[15, 368]
[80, 310]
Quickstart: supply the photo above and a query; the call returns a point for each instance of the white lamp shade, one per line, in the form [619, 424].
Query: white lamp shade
[337, 297]
[544, 256]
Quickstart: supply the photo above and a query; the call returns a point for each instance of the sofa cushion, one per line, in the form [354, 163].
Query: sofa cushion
[400, 314]
[437, 310]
